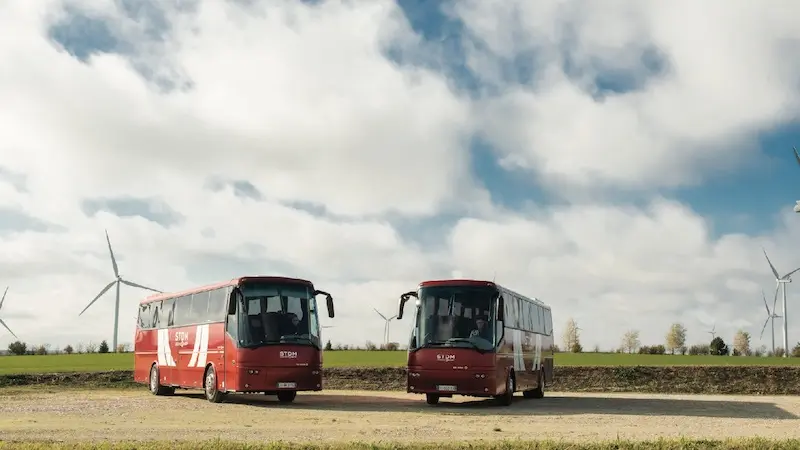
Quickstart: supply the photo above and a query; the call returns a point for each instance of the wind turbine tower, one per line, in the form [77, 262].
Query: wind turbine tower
[770, 316]
[386, 327]
[781, 283]
[3, 299]
[117, 281]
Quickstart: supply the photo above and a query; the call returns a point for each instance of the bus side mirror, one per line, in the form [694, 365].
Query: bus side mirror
[328, 302]
[232, 302]
[403, 299]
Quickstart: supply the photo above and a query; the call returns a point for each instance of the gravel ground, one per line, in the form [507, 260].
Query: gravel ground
[79, 415]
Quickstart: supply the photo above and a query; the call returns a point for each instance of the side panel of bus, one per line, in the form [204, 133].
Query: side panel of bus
[526, 344]
[144, 353]
[197, 346]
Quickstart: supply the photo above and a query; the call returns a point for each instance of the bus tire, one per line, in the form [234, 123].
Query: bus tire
[431, 399]
[156, 388]
[286, 396]
[539, 391]
[508, 396]
[210, 386]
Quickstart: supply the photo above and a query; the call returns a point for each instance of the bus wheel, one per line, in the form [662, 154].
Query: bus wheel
[431, 399]
[539, 391]
[156, 388]
[286, 396]
[210, 386]
[508, 396]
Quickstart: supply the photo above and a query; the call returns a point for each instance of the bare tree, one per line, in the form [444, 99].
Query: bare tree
[676, 337]
[630, 341]
[741, 343]
[571, 336]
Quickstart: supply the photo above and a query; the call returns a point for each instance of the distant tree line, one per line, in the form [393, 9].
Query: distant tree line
[369, 346]
[22, 348]
[674, 343]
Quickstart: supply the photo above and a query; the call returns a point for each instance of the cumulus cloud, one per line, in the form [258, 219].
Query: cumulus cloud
[618, 268]
[219, 139]
[638, 95]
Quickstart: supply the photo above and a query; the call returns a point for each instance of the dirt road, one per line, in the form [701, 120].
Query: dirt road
[372, 416]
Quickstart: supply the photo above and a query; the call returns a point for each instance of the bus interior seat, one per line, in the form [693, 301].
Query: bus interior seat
[256, 328]
[272, 324]
[445, 328]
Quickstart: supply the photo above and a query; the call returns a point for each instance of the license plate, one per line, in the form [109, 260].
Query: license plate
[446, 387]
[287, 385]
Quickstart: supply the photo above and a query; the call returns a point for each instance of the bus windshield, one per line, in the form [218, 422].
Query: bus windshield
[456, 316]
[274, 313]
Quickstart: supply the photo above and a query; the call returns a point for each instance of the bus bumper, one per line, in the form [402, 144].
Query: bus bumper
[477, 382]
[273, 379]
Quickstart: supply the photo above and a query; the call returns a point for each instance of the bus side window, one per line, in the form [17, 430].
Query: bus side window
[156, 306]
[232, 322]
[165, 319]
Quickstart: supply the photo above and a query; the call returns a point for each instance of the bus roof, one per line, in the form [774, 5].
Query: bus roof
[232, 282]
[468, 282]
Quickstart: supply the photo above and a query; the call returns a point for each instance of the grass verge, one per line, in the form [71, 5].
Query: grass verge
[101, 362]
[661, 444]
[736, 380]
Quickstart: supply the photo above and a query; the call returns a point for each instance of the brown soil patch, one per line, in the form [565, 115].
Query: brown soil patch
[744, 380]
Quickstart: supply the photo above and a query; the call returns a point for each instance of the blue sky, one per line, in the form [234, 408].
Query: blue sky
[370, 147]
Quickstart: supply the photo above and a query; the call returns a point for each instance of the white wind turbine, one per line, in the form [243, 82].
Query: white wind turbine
[386, 327]
[713, 332]
[770, 316]
[781, 283]
[116, 281]
[1, 307]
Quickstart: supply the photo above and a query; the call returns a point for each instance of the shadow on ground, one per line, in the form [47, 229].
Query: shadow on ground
[562, 405]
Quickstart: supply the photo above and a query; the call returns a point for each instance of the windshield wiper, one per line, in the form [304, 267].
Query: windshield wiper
[260, 343]
[294, 339]
[434, 344]
[467, 341]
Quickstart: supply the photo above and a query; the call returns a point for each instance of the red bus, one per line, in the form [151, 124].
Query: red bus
[249, 334]
[477, 338]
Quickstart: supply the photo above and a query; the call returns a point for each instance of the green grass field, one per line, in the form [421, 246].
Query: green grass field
[362, 358]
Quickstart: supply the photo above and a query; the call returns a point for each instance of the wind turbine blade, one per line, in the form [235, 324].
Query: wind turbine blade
[764, 327]
[379, 313]
[790, 273]
[9, 329]
[775, 300]
[796, 155]
[765, 302]
[113, 260]
[390, 318]
[770, 265]
[105, 289]
[4, 298]
[132, 284]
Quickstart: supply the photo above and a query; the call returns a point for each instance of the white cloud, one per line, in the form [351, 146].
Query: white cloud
[302, 102]
[615, 268]
[729, 70]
